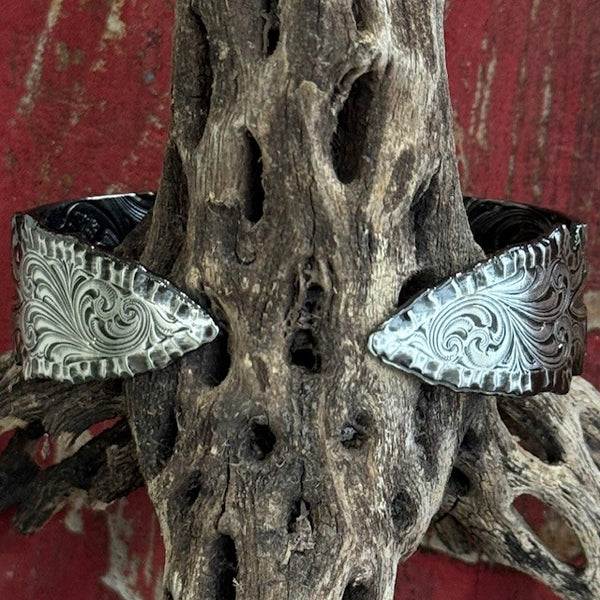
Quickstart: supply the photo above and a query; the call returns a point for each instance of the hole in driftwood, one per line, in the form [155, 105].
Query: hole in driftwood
[424, 402]
[303, 351]
[33, 430]
[532, 433]
[300, 510]
[201, 78]
[193, 487]
[261, 440]
[425, 435]
[358, 12]
[168, 595]
[404, 510]
[225, 567]
[459, 482]
[255, 193]
[311, 306]
[31, 441]
[421, 208]
[471, 441]
[212, 362]
[312, 302]
[308, 306]
[454, 535]
[552, 530]
[350, 137]
[350, 437]
[17, 467]
[270, 33]
[355, 433]
[113, 387]
[358, 591]
[173, 199]
[167, 436]
[215, 359]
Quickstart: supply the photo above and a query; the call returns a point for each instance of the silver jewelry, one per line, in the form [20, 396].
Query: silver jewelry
[514, 324]
[83, 313]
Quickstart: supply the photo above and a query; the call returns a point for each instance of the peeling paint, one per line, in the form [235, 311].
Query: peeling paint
[592, 302]
[546, 106]
[34, 75]
[122, 575]
[73, 519]
[115, 28]
[66, 56]
[516, 123]
[481, 102]
[98, 65]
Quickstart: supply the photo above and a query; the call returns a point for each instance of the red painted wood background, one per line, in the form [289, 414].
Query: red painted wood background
[84, 108]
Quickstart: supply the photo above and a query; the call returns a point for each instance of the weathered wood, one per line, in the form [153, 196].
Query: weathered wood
[310, 185]
[59, 408]
[546, 447]
[98, 470]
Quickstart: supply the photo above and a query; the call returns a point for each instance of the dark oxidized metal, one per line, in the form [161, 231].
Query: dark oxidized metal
[514, 324]
[83, 313]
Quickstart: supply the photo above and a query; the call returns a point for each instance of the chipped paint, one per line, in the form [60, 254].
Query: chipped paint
[481, 102]
[73, 519]
[98, 65]
[592, 302]
[115, 26]
[122, 575]
[545, 108]
[516, 123]
[65, 56]
[34, 74]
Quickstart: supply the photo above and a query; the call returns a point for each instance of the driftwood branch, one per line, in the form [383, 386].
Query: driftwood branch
[59, 408]
[310, 170]
[99, 469]
[545, 447]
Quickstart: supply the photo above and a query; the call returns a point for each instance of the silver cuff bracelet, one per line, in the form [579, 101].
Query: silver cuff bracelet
[82, 313]
[514, 324]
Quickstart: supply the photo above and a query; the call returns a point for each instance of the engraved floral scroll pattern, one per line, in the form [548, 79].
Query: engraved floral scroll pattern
[83, 314]
[514, 324]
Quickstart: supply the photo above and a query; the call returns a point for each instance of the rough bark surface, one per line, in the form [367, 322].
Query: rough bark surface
[310, 144]
[309, 188]
[544, 449]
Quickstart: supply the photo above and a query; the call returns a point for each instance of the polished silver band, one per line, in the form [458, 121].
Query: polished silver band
[82, 313]
[514, 324]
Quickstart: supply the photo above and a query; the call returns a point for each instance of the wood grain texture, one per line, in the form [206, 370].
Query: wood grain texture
[312, 157]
